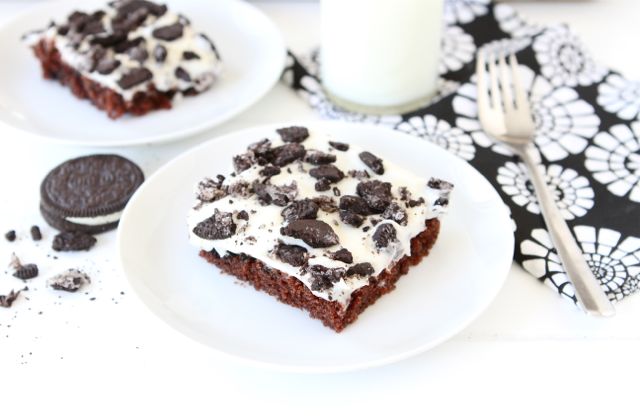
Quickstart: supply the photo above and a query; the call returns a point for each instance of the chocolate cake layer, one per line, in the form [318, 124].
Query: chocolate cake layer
[291, 291]
[84, 88]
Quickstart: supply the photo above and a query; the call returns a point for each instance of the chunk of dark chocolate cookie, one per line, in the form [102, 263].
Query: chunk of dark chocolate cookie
[134, 77]
[73, 241]
[300, 209]
[384, 235]
[373, 162]
[315, 233]
[354, 204]
[324, 277]
[343, 147]
[343, 254]
[210, 190]
[377, 194]
[328, 172]
[316, 157]
[69, 281]
[294, 255]
[396, 213]
[218, 226]
[7, 300]
[293, 134]
[26, 272]
[351, 218]
[287, 154]
[360, 270]
[169, 32]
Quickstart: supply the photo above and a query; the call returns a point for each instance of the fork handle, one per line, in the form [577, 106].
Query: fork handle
[587, 286]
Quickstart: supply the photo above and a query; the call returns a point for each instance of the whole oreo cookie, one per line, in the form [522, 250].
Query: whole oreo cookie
[88, 193]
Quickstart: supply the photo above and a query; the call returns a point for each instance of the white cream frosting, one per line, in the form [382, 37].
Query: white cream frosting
[95, 221]
[203, 71]
[265, 221]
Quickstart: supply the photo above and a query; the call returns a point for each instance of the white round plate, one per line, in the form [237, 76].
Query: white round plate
[434, 301]
[252, 50]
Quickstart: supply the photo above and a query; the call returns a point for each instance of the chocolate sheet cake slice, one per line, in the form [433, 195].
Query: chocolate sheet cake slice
[319, 224]
[134, 56]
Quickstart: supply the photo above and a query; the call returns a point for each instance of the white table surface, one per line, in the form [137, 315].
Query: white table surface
[529, 354]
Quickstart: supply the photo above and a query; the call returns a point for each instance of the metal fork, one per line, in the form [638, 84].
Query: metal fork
[503, 107]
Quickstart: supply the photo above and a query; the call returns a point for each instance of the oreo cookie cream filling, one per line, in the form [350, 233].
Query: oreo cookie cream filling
[132, 45]
[325, 212]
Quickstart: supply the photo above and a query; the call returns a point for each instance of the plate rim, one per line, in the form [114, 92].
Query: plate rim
[305, 368]
[174, 136]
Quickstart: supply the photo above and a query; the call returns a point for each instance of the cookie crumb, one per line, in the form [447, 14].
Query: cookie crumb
[10, 235]
[69, 281]
[36, 235]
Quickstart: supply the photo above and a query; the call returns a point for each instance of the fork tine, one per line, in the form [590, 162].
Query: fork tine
[505, 83]
[522, 102]
[495, 87]
[481, 76]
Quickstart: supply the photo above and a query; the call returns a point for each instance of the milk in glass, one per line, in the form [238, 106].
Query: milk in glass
[380, 55]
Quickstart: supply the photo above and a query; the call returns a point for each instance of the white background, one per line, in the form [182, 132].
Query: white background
[530, 354]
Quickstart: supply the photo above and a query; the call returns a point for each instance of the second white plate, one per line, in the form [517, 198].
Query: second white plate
[438, 298]
[251, 47]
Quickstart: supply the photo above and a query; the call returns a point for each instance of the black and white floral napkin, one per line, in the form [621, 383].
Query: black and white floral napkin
[588, 134]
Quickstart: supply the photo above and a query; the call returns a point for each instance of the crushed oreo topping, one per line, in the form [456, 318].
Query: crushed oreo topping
[396, 213]
[325, 203]
[376, 193]
[134, 77]
[107, 66]
[190, 55]
[315, 233]
[316, 157]
[322, 184]
[242, 215]
[351, 218]
[69, 281]
[182, 74]
[328, 172]
[439, 184]
[384, 235]
[240, 189]
[294, 255]
[270, 171]
[160, 53]
[324, 277]
[361, 270]
[280, 195]
[293, 134]
[287, 154]
[373, 162]
[26, 272]
[343, 254]
[343, 147]
[242, 162]
[168, 33]
[138, 53]
[210, 190]
[359, 175]
[354, 204]
[73, 241]
[300, 209]
[218, 226]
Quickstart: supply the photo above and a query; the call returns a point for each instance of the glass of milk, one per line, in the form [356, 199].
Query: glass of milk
[380, 56]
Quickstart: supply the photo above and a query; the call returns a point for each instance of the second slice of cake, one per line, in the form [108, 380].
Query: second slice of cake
[317, 222]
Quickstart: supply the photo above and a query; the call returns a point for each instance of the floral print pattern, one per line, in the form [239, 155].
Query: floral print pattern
[572, 192]
[441, 133]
